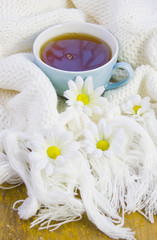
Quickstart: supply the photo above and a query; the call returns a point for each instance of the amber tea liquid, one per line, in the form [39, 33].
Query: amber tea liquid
[75, 52]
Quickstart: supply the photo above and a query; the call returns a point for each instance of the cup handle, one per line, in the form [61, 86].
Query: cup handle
[127, 67]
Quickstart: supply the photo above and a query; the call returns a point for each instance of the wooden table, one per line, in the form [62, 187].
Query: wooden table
[13, 228]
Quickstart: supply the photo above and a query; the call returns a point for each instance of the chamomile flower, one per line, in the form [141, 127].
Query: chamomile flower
[53, 150]
[136, 106]
[103, 140]
[82, 95]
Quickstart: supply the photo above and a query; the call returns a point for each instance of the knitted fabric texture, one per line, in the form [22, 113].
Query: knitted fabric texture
[136, 38]
[125, 20]
[22, 21]
[29, 105]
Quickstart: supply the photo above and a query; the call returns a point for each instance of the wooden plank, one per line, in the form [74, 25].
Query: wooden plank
[13, 228]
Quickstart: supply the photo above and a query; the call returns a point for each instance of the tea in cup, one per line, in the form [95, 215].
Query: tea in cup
[67, 50]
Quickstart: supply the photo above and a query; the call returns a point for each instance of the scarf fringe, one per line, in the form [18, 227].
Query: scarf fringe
[59, 213]
[17, 155]
[7, 174]
[124, 183]
[96, 209]
[141, 156]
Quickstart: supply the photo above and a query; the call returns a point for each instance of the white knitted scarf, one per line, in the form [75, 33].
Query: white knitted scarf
[123, 176]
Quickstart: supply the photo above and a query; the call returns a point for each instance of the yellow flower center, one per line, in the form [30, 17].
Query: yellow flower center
[83, 98]
[103, 145]
[53, 152]
[135, 108]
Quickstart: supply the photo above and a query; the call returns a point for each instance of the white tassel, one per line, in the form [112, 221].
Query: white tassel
[95, 209]
[141, 156]
[7, 174]
[152, 129]
[16, 153]
[112, 179]
[109, 168]
[57, 195]
[28, 208]
[61, 214]
[151, 205]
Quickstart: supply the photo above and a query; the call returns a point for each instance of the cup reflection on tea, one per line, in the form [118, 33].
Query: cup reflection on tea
[75, 52]
[68, 50]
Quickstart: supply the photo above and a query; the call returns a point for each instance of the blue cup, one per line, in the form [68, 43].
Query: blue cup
[101, 75]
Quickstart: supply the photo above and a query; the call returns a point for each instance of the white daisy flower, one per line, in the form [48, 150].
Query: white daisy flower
[136, 106]
[53, 151]
[102, 139]
[82, 96]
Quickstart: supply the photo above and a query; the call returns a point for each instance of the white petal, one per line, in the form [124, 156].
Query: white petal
[70, 95]
[101, 101]
[96, 109]
[102, 128]
[88, 85]
[72, 155]
[94, 130]
[108, 153]
[108, 131]
[88, 143]
[73, 87]
[99, 91]
[65, 138]
[50, 136]
[148, 115]
[87, 110]
[136, 99]
[130, 105]
[140, 112]
[57, 132]
[79, 108]
[35, 157]
[71, 102]
[60, 161]
[79, 83]
[37, 161]
[89, 135]
[80, 103]
[36, 142]
[42, 163]
[98, 153]
[118, 141]
[49, 169]
[105, 130]
[116, 149]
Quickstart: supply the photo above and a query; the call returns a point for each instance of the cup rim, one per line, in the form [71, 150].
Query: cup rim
[74, 23]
